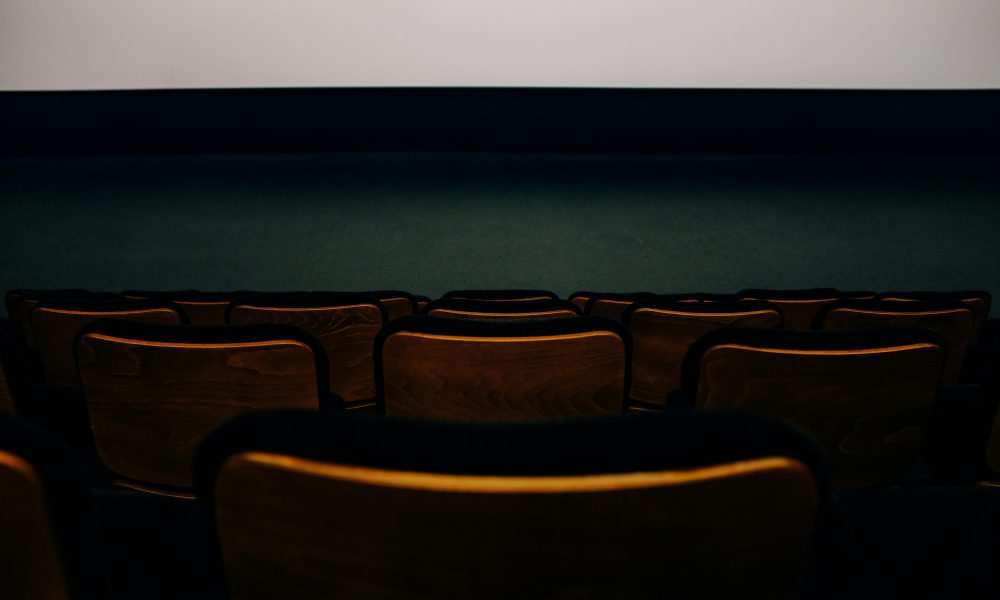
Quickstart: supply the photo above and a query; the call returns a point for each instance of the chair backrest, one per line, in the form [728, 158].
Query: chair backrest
[448, 368]
[55, 324]
[49, 548]
[489, 310]
[978, 301]
[21, 302]
[345, 324]
[501, 295]
[397, 304]
[663, 330]
[202, 308]
[953, 320]
[626, 506]
[864, 394]
[799, 306]
[612, 305]
[153, 391]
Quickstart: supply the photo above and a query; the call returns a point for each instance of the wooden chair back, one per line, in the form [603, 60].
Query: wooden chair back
[154, 391]
[953, 320]
[662, 332]
[865, 395]
[798, 306]
[447, 368]
[202, 308]
[345, 324]
[489, 310]
[502, 524]
[978, 301]
[55, 324]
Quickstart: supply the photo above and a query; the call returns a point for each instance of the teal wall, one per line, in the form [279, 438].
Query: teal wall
[427, 223]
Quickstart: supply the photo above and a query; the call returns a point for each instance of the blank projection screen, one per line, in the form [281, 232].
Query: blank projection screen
[143, 44]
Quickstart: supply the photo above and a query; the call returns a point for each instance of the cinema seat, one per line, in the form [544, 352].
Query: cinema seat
[610, 305]
[431, 367]
[153, 391]
[663, 330]
[799, 306]
[48, 545]
[56, 322]
[954, 320]
[345, 324]
[20, 302]
[202, 308]
[489, 310]
[863, 394]
[979, 302]
[501, 295]
[626, 506]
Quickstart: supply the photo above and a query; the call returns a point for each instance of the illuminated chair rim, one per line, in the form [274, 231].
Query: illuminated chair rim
[494, 295]
[799, 340]
[316, 300]
[111, 305]
[731, 307]
[489, 306]
[881, 306]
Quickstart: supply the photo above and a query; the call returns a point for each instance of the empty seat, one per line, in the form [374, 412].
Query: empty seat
[448, 368]
[615, 507]
[501, 295]
[663, 330]
[55, 324]
[953, 320]
[21, 302]
[978, 301]
[153, 391]
[799, 306]
[864, 394]
[487, 310]
[202, 308]
[345, 324]
[48, 546]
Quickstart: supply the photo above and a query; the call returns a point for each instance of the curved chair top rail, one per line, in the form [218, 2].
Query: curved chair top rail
[617, 443]
[211, 335]
[700, 308]
[87, 305]
[492, 307]
[306, 300]
[883, 307]
[506, 329]
[616, 298]
[501, 295]
[801, 340]
[962, 295]
[43, 461]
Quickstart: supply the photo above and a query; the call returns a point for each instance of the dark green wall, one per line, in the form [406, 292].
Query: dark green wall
[432, 222]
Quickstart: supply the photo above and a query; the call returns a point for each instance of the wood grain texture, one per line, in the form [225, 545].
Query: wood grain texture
[609, 308]
[661, 338]
[55, 330]
[799, 314]
[503, 378]
[867, 409]
[738, 530]
[347, 333]
[956, 326]
[151, 403]
[28, 552]
[466, 315]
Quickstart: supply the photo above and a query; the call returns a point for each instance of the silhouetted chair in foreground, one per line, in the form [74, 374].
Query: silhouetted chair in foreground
[626, 506]
[345, 324]
[501, 295]
[153, 391]
[488, 310]
[202, 308]
[48, 546]
[953, 320]
[56, 322]
[663, 330]
[448, 368]
[800, 306]
[864, 394]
